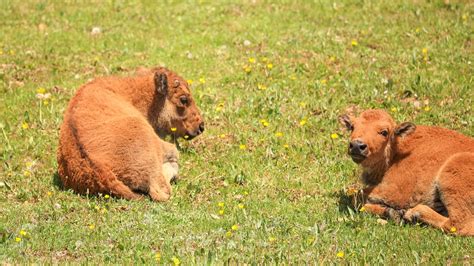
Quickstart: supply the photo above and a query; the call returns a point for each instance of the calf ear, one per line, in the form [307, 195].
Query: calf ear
[345, 120]
[161, 83]
[404, 129]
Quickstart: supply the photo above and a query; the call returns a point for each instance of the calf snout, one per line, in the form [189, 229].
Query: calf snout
[358, 150]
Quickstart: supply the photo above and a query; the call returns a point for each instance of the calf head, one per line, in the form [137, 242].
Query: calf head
[180, 117]
[373, 134]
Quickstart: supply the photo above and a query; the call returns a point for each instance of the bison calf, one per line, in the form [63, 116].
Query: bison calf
[109, 139]
[423, 173]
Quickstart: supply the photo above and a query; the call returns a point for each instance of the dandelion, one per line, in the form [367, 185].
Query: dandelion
[41, 90]
[453, 229]
[286, 146]
[246, 193]
[362, 209]
[272, 239]
[334, 136]
[464, 17]
[221, 204]
[173, 129]
[97, 208]
[17, 239]
[219, 107]
[25, 125]
[332, 59]
[417, 30]
[292, 77]
[279, 134]
[340, 254]
[106, 196]
[235, 227]
[45, 102]
[424, 51]
[202, 80]
[261, 87]
[228, 234]
[175, 261]
[302, 104]
[269, 65]
[27, 173]
[427, 108]
[49, 193]
[92, 226]
[221, 212]
[264, 122]
[354, 43]
[251, 60]
[394, 109]
[303, 122]
[242, 146]
[241, 206]
[190, 81]
[222, 136]
[247, 69]
[23, 232]
[158, 256]
[324, 81]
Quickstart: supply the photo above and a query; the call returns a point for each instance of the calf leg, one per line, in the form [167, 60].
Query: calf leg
[455, 183]
[384, 211]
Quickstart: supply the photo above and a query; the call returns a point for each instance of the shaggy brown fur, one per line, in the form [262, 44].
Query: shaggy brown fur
[108, 139]
[421, 173]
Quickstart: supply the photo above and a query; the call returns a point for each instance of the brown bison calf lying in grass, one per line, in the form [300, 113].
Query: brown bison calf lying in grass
[413, 172]
[109, 139]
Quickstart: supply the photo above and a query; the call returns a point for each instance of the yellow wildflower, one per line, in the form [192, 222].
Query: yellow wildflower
[251, 60]
[303, 122]
[264, 122]
[158, 256]
[27, 173]
[190, 81]
[362, 209]
[340, 254]
[202, 80]
[235, 227]
[324, 81]
[427, 108]
[41, 90]
[279, 134]
[247, 69]
[186, 137]
[334, 136]
[354, 43]
[332, 59]
[12, 52]
[106, 196]
[175, 261]
[246, 193]
[49, 193]
[302, 104]
[464, 17]
[228, 234]
[286, 146]
[272, 239]
[424, 51]
[173, 129]
[221, 204]
[264, 59]
[241, 206]
[417, 30]
[23, 232]
[310, 240]
[92, 226]
[453, 229]
[261, 87]
[221, 212]
[18, 239]
[25, 125]
[242, 146]
[394, 109]
[292, 77]
[45, 102]
[269, 65]
[222, 136]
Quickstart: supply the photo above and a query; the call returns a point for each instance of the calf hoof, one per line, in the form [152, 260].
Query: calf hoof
[412, 216]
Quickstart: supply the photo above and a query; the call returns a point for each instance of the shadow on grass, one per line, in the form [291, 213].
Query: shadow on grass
[57, 181]
[348, 203]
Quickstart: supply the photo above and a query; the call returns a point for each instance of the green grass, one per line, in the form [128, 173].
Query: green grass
[326, 57]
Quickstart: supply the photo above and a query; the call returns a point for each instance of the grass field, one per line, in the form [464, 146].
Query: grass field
[267, 181]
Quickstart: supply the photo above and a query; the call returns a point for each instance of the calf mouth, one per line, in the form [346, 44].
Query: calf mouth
[357, 157]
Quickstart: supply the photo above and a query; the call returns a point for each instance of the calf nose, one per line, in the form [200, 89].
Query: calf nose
[358, 147]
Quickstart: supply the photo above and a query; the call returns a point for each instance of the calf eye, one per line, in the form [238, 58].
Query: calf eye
[384, 133]
[184, 100]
